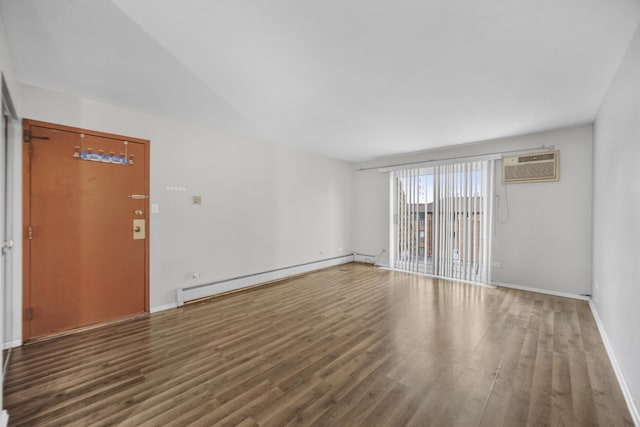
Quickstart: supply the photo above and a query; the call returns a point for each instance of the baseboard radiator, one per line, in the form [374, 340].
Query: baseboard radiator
[191, 293]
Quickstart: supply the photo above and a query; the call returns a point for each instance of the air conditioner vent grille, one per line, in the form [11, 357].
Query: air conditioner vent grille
[536, 157]
[529, 171]
[531, 168]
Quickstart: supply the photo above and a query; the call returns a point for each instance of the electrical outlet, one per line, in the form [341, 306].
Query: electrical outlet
[195, 275]
[495, 264]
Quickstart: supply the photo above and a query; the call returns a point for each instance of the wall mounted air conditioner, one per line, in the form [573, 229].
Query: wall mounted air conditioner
[536, 167]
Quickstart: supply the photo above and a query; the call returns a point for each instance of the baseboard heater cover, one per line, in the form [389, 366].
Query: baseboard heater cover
[209, 289]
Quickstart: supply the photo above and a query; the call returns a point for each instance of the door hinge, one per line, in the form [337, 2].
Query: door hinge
[27, 137]
[29, 313]
[30, 232]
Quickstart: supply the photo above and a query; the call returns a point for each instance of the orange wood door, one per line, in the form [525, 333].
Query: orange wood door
[82, 263]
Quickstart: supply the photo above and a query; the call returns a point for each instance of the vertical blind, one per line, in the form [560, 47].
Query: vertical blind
[441, 220]
[409, 202]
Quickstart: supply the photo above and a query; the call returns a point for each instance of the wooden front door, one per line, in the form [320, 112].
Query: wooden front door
[86, 228]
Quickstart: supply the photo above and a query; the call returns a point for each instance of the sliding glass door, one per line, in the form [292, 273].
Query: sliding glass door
[412, 229]
[441, 220]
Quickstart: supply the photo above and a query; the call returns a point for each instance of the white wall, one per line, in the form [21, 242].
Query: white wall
[370, 220]
[264, 206]
[546, 242]
[616, 219]
[6, 66]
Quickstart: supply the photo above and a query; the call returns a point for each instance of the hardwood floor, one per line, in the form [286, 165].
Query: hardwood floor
[351, 345]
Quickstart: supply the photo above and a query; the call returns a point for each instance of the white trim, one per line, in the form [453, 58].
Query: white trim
[11, 344]
[209, 289]
[4, 418]
[163, 307]
[363, 258]
[628, 397]
[542, 291]
[368, 259]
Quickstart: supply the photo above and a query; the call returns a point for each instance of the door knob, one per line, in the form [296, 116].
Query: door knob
[137, 229]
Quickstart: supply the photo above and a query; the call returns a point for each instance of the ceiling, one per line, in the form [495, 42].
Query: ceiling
[350, 79]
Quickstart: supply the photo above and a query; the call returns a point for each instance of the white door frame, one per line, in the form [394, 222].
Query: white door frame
[8, 292]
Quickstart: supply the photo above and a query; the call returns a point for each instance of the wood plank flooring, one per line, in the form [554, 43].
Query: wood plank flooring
[347, 346]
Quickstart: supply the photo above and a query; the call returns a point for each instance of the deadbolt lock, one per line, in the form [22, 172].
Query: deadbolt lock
[139, 229]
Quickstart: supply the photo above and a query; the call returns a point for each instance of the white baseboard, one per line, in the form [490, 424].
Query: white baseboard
[542, 291]
[163, 307]
[363, 258]
[368, 259]
[206, 290]
[11, 344]
[628, 397]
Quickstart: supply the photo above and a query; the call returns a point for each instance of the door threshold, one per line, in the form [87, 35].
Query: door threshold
[84, 329]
